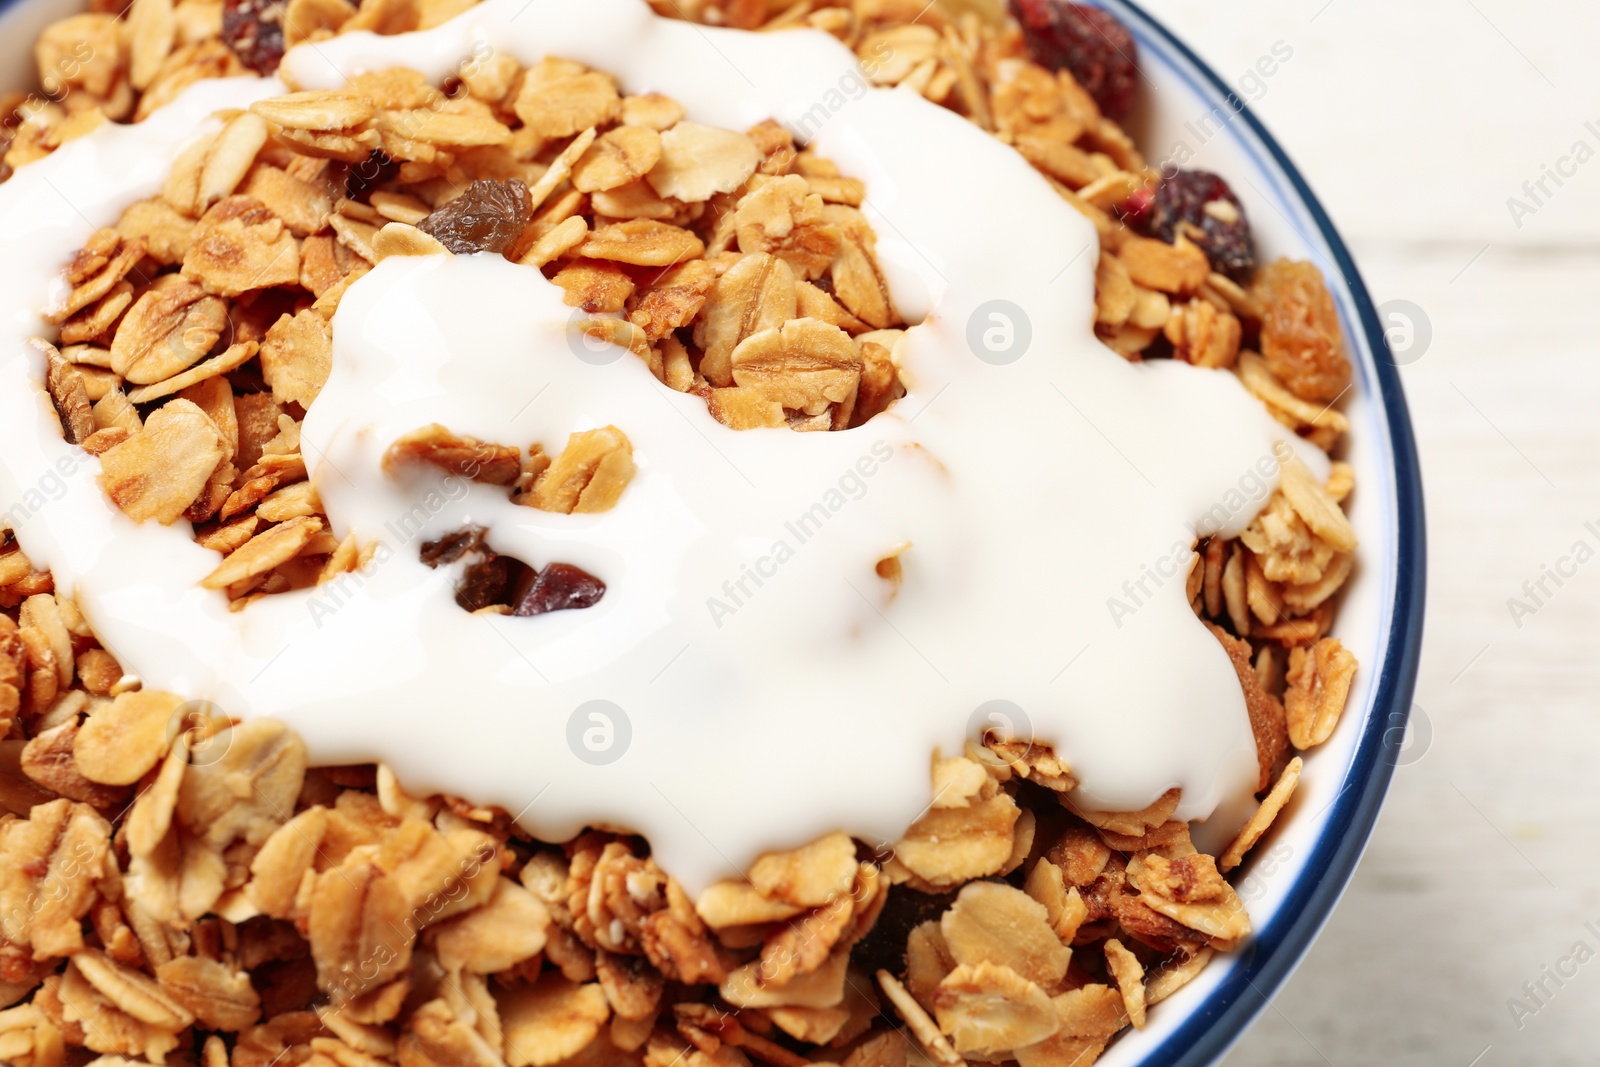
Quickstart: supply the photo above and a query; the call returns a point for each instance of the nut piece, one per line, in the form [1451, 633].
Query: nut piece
[228, 158]
[69, 394]
[805, 364]
[47, 760]
[1267, 720]
[159, 471]
[698, 162]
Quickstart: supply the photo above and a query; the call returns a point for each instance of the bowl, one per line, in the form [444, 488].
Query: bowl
[1191, 117]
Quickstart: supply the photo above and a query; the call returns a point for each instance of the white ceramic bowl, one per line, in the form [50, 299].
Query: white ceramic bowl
[1192, 118]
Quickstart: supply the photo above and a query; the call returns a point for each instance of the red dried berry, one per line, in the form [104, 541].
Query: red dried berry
[1090, 43]
[1202, 206]
[485, 218]
[1135, 211]
[560, 587]
[254, 30]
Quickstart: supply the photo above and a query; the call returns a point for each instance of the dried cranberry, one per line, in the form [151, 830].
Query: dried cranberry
[254, 30]
[560, 587]
[1137, 209]
[1090, 43]
[1201, 205]
[485, 218]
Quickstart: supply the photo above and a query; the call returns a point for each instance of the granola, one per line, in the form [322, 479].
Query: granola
[181, 889]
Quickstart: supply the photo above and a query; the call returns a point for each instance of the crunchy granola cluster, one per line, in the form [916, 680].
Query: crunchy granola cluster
[198, 330]
[178, 889]
[181, 889]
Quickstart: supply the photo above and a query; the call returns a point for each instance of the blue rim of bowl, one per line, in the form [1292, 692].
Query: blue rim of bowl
[1265, 962]
[1276, 949]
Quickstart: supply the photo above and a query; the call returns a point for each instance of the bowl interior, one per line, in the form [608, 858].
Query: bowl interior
[1190, 118]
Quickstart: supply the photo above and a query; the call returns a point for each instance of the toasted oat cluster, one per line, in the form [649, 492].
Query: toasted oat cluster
[178, 889]
[198, 330]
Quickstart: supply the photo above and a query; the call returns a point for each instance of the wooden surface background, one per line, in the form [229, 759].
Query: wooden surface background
[1417, 122]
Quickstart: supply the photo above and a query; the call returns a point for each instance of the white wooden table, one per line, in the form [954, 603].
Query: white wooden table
[1417, 122]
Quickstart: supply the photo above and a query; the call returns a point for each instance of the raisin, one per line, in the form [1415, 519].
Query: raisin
[560, 587]
[1300, 336]
[452, 547]
[1088, 43]
[1201, 205]
[254, 30]
[494, 581]
[485, 218]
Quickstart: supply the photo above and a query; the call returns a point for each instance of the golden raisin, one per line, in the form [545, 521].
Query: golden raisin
[1300, 336]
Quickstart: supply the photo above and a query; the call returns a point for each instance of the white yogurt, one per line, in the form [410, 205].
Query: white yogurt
[770, 687]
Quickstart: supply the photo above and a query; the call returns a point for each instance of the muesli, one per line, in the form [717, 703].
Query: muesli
[177, 888]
